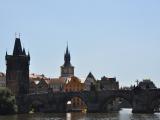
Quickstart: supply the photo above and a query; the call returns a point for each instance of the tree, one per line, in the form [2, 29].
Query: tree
[7, 102]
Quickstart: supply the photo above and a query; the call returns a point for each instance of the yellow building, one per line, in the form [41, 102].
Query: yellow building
[74, 85]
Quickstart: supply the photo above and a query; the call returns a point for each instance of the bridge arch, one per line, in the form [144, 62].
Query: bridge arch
[81, 100]
[114, 100]
[36, 106]
[36, 103]
[155, 104]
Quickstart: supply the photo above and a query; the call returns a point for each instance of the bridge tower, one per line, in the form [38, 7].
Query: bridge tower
[17, 70]
[67, 70]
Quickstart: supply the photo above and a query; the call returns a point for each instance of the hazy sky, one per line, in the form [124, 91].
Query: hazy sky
[115, 38]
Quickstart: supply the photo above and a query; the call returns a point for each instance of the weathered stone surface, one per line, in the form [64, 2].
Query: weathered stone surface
[143, 101]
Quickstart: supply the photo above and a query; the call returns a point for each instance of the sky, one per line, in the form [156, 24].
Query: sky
[113, 38]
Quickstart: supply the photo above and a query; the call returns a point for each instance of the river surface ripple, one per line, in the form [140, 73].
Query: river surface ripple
[124, 114]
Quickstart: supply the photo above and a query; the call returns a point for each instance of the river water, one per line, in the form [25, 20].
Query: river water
[124, 114]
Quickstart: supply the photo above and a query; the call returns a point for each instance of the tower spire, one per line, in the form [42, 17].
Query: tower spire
[67, 57]
[67, 70]
[67, 51]
[17, 47]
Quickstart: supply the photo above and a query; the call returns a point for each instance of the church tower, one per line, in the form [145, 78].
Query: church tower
[67, 70]
[17, 71]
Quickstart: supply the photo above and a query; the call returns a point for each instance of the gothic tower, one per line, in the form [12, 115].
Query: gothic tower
[17, 72]
[67, 70]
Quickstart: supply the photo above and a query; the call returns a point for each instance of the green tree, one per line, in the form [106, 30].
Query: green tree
[7, 102]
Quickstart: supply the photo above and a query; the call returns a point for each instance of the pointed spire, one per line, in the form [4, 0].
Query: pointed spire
[67, 57]
[24, 52]
[17, 47]
[67, 51]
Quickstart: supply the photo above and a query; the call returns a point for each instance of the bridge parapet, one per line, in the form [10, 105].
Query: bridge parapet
[55, 102]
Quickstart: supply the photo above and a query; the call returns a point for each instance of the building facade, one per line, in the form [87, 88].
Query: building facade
[17, 72]
[57, 84]
[109, 83]
[90, 80]
[74, 85]
[38, 83]
[146, 84]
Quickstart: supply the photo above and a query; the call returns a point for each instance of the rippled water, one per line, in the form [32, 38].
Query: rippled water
[124, 114]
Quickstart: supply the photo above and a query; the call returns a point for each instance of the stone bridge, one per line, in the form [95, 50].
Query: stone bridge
[142, 101]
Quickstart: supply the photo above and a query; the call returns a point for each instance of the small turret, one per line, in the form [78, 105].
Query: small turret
[24, 52]
[28, 55]
[6, 55]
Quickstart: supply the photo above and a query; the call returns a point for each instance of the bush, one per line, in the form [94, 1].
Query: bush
[7, 102]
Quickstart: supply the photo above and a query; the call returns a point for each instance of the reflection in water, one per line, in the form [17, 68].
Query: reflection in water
[124, 114]
[68, 116]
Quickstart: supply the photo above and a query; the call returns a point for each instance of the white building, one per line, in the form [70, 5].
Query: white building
[89, 80]
[38, 83]
[57, 84]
